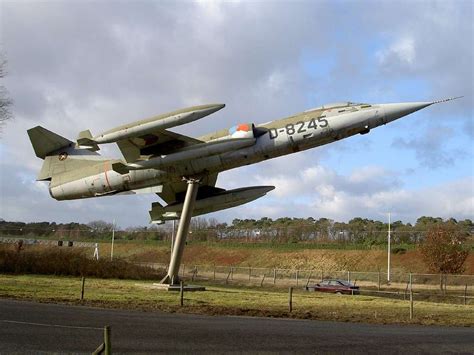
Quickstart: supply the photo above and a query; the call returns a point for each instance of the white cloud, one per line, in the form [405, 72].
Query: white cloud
[446, 200]
[368, 173]
[401, 50]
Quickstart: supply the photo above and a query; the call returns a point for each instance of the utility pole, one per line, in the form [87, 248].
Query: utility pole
[388, 250]
[113, 239]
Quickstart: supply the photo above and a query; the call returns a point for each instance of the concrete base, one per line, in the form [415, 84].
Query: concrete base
[186, 288]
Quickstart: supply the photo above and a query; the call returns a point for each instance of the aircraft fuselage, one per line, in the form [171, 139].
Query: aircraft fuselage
[303, 131]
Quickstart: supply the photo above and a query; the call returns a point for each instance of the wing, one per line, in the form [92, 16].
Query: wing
[161, 142]
[175, 193]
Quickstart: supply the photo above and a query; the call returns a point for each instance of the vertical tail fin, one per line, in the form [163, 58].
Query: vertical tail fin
[60, 155]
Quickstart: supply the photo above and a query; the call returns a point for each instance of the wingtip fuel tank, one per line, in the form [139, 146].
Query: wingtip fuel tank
[210, 203]
[149, 125]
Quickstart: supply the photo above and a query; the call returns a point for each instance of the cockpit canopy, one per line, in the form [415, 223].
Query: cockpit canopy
[336, 104]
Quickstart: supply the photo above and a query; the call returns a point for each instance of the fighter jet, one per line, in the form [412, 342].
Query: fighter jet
[183, 170]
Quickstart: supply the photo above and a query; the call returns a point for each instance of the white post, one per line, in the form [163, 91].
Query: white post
[388, 250]
[96, 251]
[113, 239]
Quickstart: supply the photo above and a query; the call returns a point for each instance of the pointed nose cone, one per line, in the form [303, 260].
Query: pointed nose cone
[266, 189]
[212, 108]
[395, 111]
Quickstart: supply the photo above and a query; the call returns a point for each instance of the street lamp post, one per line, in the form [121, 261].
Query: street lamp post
[388, 250]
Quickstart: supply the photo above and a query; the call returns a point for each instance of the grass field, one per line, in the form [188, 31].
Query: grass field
[232, 300]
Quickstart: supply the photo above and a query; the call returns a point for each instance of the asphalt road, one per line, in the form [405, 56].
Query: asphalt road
[27, 327]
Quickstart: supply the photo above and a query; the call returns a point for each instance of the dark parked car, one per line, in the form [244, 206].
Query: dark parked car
[335, 286]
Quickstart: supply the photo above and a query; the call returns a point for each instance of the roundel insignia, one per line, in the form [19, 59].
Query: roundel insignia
[62, 156]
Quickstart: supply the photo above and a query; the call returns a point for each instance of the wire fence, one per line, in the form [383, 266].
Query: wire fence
[48, 242]
[433, 287]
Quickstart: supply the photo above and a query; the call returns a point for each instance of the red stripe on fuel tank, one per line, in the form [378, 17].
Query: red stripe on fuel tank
[106, 177]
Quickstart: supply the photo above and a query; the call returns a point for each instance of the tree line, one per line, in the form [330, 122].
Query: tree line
[282, 230]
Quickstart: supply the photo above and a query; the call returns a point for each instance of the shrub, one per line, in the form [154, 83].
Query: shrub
[398, 250]
[71, 262]
[443, 250]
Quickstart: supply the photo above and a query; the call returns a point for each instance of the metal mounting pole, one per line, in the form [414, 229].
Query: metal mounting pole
[172, 235]
[172, 278]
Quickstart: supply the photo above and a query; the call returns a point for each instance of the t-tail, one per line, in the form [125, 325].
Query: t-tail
[60, 155]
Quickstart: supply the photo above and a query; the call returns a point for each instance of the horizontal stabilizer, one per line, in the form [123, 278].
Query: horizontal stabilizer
[84, 139]
[45, 142]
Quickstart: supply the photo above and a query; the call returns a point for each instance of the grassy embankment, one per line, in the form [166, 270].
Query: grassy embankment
[328, 256]
[285, 256]
[231, 300]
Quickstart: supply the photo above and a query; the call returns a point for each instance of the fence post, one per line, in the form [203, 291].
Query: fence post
[181, 293]
[296, 275]
[465, 294]
[274, 275]
[445, 284]
[82, 287]
[214, 272]
[309, 278]
[107, 342]
[228, 275]
[290, 299]
[411, 298]
[250, 272]
[348, 276]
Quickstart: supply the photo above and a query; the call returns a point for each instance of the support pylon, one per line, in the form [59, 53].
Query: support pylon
[172, 278]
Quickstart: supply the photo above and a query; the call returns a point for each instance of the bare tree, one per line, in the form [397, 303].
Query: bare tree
[5, 100]
[100, 226]
[443, 249]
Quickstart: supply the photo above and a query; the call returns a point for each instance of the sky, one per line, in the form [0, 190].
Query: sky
[76, 65]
